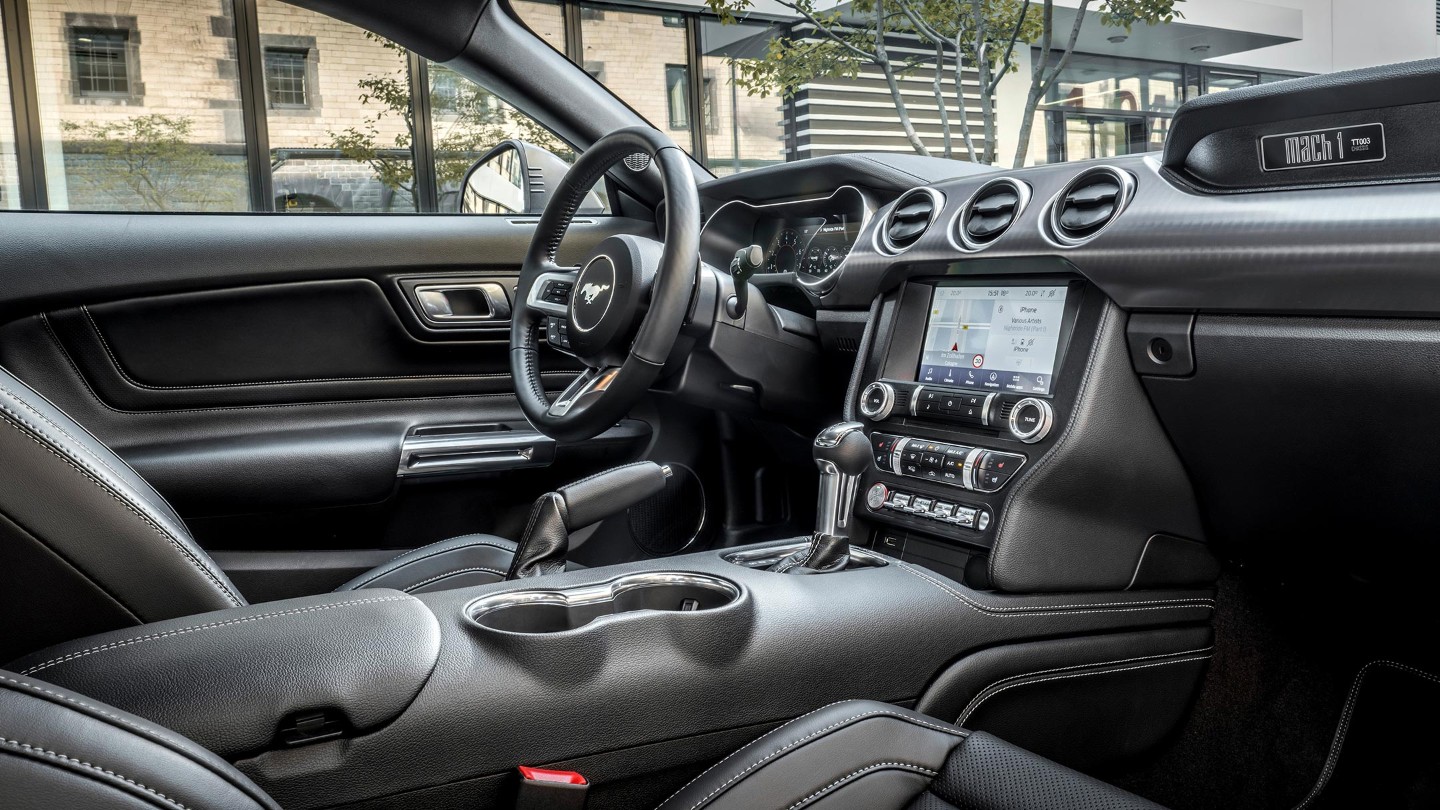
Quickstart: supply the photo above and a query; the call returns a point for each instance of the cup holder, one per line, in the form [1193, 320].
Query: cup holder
[555, 611]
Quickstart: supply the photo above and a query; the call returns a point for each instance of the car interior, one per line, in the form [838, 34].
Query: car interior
[688, 503]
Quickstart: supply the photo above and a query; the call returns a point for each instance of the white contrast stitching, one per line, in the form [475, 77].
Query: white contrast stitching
[1333, 758]
[85, 384]
[1030, 680]
[908, 766]
[388, 570]
[125, 375]
[208, 626]
[88, 766]
[34, 434]
[742, 749]
[454, 573]
[149, 732]
[812, 735]
[1066, 610]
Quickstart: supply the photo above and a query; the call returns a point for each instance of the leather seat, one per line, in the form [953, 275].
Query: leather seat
[59, 749]
[90, 546]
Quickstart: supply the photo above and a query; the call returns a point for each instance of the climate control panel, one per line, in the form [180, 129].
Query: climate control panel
[957, 465]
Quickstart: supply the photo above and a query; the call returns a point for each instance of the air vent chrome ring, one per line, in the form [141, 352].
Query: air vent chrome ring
[937, 203]
[958, 233]
[1064, 236]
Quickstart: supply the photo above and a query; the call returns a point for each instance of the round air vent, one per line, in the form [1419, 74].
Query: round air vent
[1089, 203]
[992, 210]
[910, 218]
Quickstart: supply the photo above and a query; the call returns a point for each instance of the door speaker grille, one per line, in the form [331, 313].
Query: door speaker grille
[672, 519]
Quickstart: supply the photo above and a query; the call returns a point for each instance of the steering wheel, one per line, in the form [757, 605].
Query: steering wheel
[622, 310]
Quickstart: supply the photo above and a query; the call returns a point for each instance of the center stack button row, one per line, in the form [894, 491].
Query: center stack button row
[958, 465]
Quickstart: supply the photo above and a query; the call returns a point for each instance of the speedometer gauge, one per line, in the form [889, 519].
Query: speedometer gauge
[782, 258]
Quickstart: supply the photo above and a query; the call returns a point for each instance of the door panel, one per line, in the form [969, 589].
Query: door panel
[264, 371]
[281, 343]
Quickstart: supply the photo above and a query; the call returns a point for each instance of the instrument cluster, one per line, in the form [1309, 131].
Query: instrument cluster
[811, 246]
[809, 238]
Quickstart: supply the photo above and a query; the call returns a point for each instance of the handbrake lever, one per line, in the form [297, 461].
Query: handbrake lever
[557, 514]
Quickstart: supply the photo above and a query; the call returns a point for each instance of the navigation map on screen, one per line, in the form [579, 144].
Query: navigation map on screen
[993, 338]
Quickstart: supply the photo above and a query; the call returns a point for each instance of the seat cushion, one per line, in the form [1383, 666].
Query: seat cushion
[474, 559]
[59, 749]
[865, 755]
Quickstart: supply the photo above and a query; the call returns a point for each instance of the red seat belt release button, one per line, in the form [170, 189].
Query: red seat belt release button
[545, 789]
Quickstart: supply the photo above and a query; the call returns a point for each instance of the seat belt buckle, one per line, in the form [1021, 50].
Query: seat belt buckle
[546, 789]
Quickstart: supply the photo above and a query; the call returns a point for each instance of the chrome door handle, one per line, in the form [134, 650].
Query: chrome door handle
[477, 302]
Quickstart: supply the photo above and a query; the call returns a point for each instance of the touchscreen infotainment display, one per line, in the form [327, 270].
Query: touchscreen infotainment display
[993, 338]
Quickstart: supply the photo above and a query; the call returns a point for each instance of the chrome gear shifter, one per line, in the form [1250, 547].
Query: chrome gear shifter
[842, 453]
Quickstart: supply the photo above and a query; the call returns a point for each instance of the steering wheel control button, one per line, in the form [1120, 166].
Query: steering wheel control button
[1031, 420]
[877, 401]
[557, 333]
[556, 292]
[876, 496]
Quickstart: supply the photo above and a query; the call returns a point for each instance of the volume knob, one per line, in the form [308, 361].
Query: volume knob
[1031, 420]
[877, 400]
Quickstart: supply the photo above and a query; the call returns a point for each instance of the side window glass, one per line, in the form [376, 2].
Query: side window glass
[139, 106]
[337, 106]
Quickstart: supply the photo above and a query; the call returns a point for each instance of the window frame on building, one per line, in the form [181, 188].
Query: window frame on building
[287, 92]
[80, 27]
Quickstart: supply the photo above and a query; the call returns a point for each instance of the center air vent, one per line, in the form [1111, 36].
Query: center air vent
[912, 215]
[992, 210]
[1089, 203]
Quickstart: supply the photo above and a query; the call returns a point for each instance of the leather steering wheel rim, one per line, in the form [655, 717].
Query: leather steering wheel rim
[601, 396]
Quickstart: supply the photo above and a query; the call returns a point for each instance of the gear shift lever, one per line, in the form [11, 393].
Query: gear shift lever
[842, 453]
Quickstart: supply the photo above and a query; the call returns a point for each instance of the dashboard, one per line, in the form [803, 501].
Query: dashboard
[811, 238]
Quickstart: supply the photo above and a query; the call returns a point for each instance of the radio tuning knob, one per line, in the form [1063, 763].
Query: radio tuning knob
[877, 400]
[1031, 420]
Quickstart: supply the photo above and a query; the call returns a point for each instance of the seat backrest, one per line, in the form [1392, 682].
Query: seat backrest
[86, 545]
[59, 749]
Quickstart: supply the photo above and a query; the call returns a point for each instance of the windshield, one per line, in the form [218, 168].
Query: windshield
[164, 106]
[748, 83]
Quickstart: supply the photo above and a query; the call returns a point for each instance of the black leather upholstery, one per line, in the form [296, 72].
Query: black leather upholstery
[89, 546]
[987, 773]
[459, 562]
[546, 541]
[230, 679]
[874, 756]
[60, 750]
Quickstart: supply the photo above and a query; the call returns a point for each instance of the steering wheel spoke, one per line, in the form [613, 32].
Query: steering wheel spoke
[623, 310]
[584, 389]
[550, 293]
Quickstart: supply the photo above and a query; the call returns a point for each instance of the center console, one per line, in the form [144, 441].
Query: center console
[967, 387]
[973, 392]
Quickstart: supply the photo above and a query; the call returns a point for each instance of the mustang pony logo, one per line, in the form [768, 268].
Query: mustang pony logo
[592, 291]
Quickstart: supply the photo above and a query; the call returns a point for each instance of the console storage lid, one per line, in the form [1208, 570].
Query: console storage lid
[231, 679]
